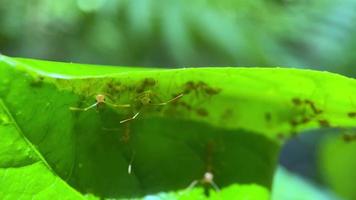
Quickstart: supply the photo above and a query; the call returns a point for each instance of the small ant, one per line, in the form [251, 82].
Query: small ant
[349, 137]
[100, 99]
[351, 114]
[208, 178]
[145, 99]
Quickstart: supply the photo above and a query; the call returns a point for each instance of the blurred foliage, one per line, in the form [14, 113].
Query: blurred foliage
[337, 165]
[313, 33]
[284, 189]
[287, 182]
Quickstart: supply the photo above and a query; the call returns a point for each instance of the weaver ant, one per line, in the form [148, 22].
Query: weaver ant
[208, 178]
[100, 100]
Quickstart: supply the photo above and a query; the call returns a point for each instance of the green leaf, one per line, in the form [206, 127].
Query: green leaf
[234, 191]
[228, 121]
[24, 173]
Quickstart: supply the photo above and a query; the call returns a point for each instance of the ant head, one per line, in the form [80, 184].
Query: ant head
[100, 98]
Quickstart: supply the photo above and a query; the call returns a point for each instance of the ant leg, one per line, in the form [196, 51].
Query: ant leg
[118, 105]
[215, 186]
[169, 101]
[192, 185]
[126, 135]
[83, 109]
[129, 168]
[129, 119]
[187, 189]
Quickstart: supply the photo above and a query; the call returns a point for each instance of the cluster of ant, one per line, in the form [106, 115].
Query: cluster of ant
[145, 99]
[315, 112]
[304, 105]
[314, 115]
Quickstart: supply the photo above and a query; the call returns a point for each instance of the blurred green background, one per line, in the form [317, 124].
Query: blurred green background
[297, 33]
[315, 34]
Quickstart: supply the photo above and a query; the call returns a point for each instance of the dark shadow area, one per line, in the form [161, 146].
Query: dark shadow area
[167, 154]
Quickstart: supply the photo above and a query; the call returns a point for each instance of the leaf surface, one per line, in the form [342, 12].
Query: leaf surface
[228, 121]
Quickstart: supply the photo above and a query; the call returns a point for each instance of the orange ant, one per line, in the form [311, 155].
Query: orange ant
[145, 99]
[100, 99]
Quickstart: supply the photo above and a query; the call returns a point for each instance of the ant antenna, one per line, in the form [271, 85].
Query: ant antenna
[84, 109]
[158, 104]
[129, 119]
[192, 184]
[169, 101]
